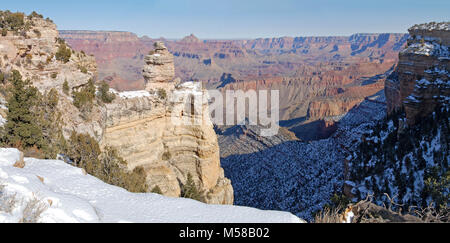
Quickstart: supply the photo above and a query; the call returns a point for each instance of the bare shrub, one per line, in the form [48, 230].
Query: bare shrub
[7, 202]
[328, 215]
[432, 215]
[33, 210]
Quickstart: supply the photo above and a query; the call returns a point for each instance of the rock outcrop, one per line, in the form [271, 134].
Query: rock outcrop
[160, 70]
[139, 124]
[421, 78]
[167, 134]
[33, 54]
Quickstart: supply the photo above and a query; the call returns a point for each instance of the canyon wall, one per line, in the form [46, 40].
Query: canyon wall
[33, 54]
[421, 78]
[138, 124]
[163, 133]
[318, 77]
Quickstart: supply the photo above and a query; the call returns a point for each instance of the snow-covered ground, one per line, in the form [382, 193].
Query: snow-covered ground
[71, 196]
[134, 94]
[301, 177]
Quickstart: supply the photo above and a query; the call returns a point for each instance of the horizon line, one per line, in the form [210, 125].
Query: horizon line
[242, 38]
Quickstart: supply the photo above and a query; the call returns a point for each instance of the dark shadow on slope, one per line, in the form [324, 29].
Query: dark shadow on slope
[288, 123]
[315, 130]
[300, 177]
[292, 176]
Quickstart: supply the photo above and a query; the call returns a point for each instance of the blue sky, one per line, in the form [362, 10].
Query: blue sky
[231, 19]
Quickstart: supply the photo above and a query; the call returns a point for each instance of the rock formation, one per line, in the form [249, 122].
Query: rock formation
[33, 54]
[160, 70]
[138, 124]
[151, 131]
[262, 58]
[421, 78]
[320, 76]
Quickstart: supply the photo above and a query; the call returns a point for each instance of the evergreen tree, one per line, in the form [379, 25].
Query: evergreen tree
[48, 119]
[108, 166]
[21, 129]
[84, 98]
[66, 88]
[84, 151]
[191, 190]
[105, 95]
[64, 53]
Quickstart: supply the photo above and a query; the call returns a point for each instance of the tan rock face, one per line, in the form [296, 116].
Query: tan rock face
[33, 55]
[421, 78]
[141, 128]
[160, 70]
[166, 136]
[143, 131]
[330, 108]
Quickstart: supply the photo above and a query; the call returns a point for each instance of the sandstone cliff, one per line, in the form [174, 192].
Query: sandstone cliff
[139, 124]
[149, 131]
[33, 53]
[421, 78]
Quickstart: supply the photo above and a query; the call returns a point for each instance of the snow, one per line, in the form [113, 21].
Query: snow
[131, 94]
[428, 49]
[350, 183]
[432, 26]
[349, 217]
[301, 177]
[423, 82]
[437, 70]
[134, 94]
[191, 87]
[71, 196]
[2, 121]
[412, 98]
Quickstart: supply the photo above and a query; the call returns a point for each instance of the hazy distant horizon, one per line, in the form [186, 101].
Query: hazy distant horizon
[238, 19]
[266, 37]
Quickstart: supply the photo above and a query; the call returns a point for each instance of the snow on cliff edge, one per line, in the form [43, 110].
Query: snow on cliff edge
[75, 197]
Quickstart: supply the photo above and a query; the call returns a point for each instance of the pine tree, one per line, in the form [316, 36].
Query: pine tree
[85, 151]
[105, 95]
[157, 190]
[64, 53]
[49, 121]
[21, 129]
[191, 190]
[66, 88]
[108, 166]
[84, 98]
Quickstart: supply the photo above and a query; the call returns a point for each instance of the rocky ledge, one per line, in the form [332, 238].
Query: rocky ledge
[421, 78]
[149, 129]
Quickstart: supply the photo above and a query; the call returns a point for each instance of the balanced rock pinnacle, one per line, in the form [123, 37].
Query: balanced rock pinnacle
[159, 69]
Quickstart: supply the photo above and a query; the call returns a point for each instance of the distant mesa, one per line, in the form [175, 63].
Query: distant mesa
[191, 39]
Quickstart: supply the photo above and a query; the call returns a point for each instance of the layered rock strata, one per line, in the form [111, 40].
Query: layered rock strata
[140, 124]
[421, 78]
[33, 53]
[169, 133]
[159, 70]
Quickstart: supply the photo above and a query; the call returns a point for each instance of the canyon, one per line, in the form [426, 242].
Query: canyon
[319, 78]
[391, 148]
[349, 108]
